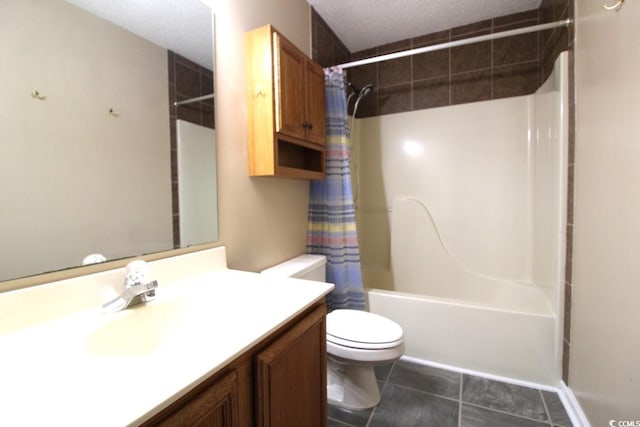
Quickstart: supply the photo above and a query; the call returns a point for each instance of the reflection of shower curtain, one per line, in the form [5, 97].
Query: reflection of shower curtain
[332, 220]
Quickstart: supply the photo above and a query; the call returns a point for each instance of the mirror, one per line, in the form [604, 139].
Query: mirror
[90, 150]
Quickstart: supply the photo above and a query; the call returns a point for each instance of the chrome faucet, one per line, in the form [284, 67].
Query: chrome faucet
[133, 295]
[137, 289]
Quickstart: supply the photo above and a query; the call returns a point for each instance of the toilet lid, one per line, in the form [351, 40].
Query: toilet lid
[361, 329]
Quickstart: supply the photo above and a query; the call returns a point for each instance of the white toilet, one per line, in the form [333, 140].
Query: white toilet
[356, 341]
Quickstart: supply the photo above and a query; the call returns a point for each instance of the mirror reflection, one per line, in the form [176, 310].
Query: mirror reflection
[97, 158]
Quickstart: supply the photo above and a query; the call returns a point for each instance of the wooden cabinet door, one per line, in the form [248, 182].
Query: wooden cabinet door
[215, 406]
[289, 88]
[315, 102]
[291, 378]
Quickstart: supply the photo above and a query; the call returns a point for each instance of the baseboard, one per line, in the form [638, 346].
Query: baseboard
[529, 384]
[572, 406]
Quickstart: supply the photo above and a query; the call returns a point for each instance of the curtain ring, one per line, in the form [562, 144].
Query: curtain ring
[615, 7]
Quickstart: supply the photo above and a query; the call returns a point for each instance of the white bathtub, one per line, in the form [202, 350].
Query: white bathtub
[455, 316]
[479, 337]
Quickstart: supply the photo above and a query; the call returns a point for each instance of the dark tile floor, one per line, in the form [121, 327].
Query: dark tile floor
[419, 395]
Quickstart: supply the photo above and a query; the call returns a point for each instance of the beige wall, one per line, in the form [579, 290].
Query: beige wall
[604, 370]
[262, 220]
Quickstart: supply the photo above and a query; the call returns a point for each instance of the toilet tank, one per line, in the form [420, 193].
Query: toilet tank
[308, 267]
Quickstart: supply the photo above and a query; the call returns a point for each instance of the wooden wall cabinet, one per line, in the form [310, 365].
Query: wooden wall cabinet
[286, 108]
[280, 382]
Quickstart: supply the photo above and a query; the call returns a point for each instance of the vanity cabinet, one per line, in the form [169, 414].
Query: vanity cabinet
[286, 108]
[215, 406]
[291, 376]
[279, 382]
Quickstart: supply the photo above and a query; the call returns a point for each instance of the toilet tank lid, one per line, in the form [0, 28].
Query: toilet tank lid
[297, 266]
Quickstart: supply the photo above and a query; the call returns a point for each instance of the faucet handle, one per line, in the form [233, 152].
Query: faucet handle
[143, 292]
[137, 275]
[136, 272]
[151, 286]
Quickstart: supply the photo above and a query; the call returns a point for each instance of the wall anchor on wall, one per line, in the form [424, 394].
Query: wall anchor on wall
[615, 7]
[37, 95]
[114, 113]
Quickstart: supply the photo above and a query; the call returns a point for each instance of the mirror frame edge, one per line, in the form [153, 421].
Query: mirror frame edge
[70, 273]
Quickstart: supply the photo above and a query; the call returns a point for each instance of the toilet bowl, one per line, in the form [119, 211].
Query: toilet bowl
[357, 341]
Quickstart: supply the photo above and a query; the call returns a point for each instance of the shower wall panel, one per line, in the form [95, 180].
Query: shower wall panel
[468, 164]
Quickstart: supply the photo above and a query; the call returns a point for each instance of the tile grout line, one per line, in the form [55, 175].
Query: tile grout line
[428, 393]
[460, 400]
[450, 74]
[339, 422]
[373, 411]
[491, 59]
[546, 409]
[498, 411]
[384, 385]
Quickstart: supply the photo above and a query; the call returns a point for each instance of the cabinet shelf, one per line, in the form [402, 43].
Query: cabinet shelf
[299, 161]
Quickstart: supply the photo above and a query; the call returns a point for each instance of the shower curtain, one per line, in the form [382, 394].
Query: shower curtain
[332, 220]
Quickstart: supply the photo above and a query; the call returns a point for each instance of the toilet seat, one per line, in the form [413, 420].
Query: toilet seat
[361, 345]
[362, 330]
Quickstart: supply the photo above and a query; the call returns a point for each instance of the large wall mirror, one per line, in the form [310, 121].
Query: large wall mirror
[96, 157]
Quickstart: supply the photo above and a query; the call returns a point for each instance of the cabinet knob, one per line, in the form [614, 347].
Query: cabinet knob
[307, 125]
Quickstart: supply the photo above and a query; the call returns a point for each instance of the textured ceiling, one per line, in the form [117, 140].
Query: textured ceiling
[183, 26]
[362, 24]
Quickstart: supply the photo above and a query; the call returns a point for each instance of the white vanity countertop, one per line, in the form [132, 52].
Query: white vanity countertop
[91, 368]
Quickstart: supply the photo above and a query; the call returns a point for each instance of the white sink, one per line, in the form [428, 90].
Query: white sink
[139, 330]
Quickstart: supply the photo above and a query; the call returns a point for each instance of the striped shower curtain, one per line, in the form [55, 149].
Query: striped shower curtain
[332, 218]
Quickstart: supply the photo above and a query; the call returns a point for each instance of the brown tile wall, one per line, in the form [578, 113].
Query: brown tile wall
[326, 47]
[490, 70]
[481, 71]
[186, 80]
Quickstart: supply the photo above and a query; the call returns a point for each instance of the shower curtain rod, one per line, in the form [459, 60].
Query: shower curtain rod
[190, 100]
[470, 40]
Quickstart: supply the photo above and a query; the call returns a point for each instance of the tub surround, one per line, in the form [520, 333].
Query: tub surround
[78, 364]
[484, 268]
